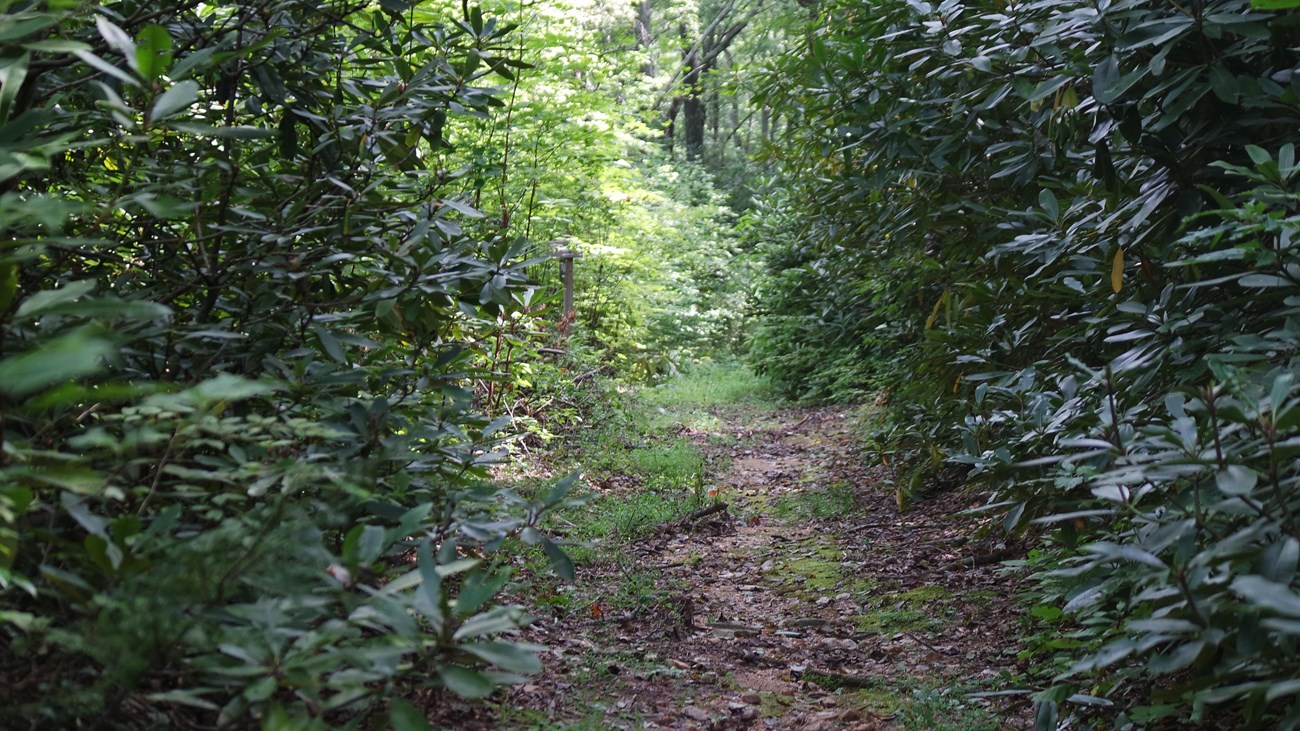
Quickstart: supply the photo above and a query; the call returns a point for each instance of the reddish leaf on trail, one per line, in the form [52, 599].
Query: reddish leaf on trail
[753, 521]
[596, 611]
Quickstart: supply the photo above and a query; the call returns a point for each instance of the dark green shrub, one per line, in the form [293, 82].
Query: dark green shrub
[1083, 213]
[237, 313]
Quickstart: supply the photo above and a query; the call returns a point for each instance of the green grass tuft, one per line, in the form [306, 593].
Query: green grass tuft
[711, 384]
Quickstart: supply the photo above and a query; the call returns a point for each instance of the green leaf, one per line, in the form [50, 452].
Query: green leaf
[1046, 611]
[1125, 552]
[1048, 87]
[8, 284]
[1286, 687]
[226, 387]
[192, 697]
[1265, 281]
[1271, 595]
[107, 68]
[180, 96]
[1259, 155]
[26, 24]
[1045, 716]
[234, 132]
[458, 566]
[56, 45]
[1180, 658]
[403, 716]
[153, 53]
[430, 582]
[464, 682]
[116, 38]
[75, 478]
[560, 561]
[509, 657]
[370, 544]
[331, 345]
[1047, 199]
[260, 690]
[12, 74]
[75, 355]
[396, 7]
[1105, 657]
[464, 208]
[477, 590]
[561, 488]
[492, 622]
[50, 299]
[1236, 480]
[1108, 85]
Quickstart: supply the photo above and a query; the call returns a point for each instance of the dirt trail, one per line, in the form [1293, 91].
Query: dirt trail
[812, 602]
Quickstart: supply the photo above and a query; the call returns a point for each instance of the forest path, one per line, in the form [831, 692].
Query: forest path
[811, 602]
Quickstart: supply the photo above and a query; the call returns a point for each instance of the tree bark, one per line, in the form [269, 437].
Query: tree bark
[644, 38]
[693, 115]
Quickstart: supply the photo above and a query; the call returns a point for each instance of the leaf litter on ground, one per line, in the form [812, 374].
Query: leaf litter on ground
[808, 602]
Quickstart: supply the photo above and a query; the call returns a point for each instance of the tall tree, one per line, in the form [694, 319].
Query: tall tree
[700, 52]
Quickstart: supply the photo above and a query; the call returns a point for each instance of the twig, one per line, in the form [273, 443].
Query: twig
[928, 646]
[983, 559]
[842, 680]
[589, 374]
[704, 512]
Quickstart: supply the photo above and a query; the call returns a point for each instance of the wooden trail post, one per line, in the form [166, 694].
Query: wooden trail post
[566, 257]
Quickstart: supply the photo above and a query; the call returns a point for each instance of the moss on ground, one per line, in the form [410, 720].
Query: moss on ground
[904, 611]
[813, 568]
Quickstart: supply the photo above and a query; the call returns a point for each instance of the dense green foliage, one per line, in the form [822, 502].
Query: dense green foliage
[1062, 235]
[238, 314]
[574, 162]
[262, 267]
[264, 264]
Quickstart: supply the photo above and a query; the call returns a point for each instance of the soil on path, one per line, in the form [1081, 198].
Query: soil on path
[811, 602]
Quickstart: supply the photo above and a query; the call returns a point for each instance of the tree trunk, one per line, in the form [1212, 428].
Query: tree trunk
[693, 115]
[670, 130]
[715, 117]
[644, 39]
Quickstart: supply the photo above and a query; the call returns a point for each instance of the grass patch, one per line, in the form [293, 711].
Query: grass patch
[656, 476]
[945, 708]
[904, 611]
[836, 500]
[921, 704]
[676, 464]
[711, 384]
[620, 519]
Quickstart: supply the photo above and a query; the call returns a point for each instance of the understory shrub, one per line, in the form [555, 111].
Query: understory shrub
[241, 477]
[1082, 215]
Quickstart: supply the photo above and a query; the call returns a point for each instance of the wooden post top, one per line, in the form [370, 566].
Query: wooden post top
[560, 250]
